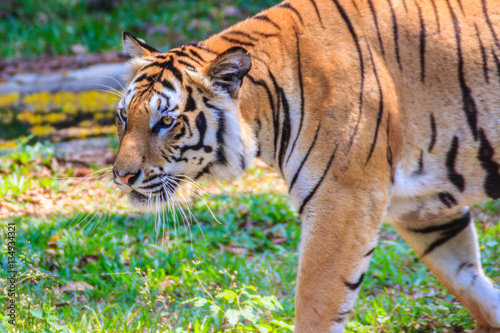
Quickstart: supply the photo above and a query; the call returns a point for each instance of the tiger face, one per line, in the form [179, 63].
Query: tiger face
[178, 122]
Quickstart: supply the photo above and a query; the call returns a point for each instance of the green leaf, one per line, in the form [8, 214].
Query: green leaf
[57, 327]
[227, 295]
[282, 324]
[3, 329]
[232, 317]
[201, 302]
[263, 329]
[214, 309]
[248, 314]
[271, 303]
[37, 313]
[268, 303]
[192, 300]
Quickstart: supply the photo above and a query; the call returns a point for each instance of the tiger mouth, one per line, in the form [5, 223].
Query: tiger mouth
[162, 194]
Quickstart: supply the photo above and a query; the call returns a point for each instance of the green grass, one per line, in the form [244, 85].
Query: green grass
[146, 279]
[33, 27]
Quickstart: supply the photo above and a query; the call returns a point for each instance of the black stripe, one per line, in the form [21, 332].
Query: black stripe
[355, 285]
[484, 55]
[297, 172]
[422, 44]
[369, 253]
[464, 265]
[447, 199]
[185, 55]
[374, 14]
[196, 54]
[241, 33]
[263, 34]
[264, 17]
[201, 125]
[395, 34]
[271, 102]
[469, 104]
[301, 85]
[485, 156]
[447, 231]
[285, 131]
[355, 5]
[156, 78]
[444, 227]
[433, 133]
[437, 15]
[221, 130]
[346, 20]
[317, 13]
[204, 171]
[488, 21]
[454, 177]
[242, 162]
[190, 103]
[186, 123]
[288, 6]
[166, 65]
[313, 191]
[235, 41]
[165, 156]
[201, 47]
[185, 63]
[179, 53]
[380, 107]
[420, 168]
[388, 152]
[256, 134]
[276, 120]
[389, 162]
[181, 133]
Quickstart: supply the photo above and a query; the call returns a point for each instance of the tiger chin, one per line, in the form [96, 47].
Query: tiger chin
[371, 111]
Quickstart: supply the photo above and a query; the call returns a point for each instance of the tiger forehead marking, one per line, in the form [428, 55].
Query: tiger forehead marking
[370, 110]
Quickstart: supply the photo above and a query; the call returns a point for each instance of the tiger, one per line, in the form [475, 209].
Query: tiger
[370, 110]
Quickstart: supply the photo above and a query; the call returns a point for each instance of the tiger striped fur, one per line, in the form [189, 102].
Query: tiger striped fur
[371, 110]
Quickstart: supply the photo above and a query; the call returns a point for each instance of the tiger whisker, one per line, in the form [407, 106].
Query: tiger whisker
[113, 79]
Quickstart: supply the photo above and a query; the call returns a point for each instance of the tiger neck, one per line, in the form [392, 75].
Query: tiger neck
[264, 108]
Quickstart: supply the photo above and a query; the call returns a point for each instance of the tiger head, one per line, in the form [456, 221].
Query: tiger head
[179, 120]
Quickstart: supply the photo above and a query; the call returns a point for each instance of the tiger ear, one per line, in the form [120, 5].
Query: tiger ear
[229, 68]
[136, 47]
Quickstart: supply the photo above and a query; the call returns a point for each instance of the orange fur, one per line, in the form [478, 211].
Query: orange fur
[369, 109]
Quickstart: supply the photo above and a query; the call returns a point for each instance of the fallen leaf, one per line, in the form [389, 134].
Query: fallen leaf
[278, 241]
[59, 304]
[52, 240]
[88, 258]
[51, 252]
[237, 250]
[76, 286]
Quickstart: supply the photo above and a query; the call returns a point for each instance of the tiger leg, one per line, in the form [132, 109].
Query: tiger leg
[449, 248]
[338, 238]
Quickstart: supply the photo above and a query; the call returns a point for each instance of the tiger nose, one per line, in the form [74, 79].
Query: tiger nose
[128, 178]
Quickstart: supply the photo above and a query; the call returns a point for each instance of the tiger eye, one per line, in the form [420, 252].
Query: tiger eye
[167, 121]
[123, 113]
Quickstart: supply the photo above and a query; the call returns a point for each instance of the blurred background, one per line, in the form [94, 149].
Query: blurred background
[51, 60]
[222, 258]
